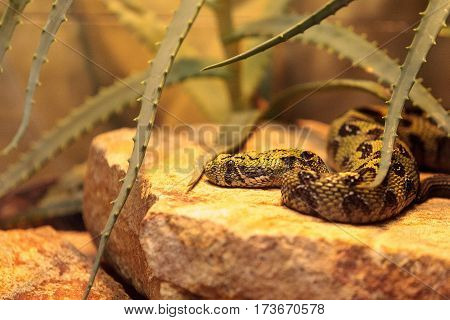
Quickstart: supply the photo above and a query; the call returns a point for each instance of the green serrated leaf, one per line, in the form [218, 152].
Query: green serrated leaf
[111, 100]
[328, 9]
[431, 23]
[294, 93]
[108, 101]
[255, 70]
[63, 198]
[445, 32]
[56, 18]
[9, 21]
[160, 67]
[347, 44]
[144, 24]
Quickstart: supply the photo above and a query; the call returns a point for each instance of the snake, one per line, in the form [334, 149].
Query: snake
[341, 191]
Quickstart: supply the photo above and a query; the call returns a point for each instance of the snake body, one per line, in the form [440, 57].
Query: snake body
[354, 152]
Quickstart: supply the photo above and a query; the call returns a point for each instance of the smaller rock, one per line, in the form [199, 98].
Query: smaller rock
[42, 264]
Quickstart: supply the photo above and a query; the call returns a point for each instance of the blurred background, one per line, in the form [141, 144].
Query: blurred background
[93, 37]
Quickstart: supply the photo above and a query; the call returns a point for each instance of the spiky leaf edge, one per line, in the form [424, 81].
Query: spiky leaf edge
[144, 24]
[146, 27]
[430, 25]
[325, 11]
[445, 32]
[347, 44]
[256, 71]
[96, 109]
[159, 69]
[9, 21]
[56, 17]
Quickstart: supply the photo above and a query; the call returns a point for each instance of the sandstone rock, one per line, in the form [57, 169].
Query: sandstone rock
[41, 264]
[82, 241]
[100, 188]
[242, 243]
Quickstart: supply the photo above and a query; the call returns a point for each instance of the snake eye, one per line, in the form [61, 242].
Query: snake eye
[229, 163]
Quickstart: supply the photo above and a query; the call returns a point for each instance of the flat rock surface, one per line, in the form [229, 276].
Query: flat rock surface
[242, 243]
[44, 264]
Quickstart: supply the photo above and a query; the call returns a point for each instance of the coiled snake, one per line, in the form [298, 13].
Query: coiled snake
[354, 144]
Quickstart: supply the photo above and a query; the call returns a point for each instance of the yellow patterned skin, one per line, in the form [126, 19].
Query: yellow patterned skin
[260, 169]
[354, 146]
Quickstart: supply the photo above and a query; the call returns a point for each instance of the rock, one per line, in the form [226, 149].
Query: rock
[82, 241]
[41, 264]
[243, 244]
[101, 186]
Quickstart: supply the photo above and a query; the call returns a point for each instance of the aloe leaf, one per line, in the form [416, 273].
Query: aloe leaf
[431, 23]
[62, 198]
[108, 101]
[56, 18]
[159, 69]
[445, 32]
[256, 70]
[111, 100]
[144, 24]
[203, 90]
[295, 92]
[190, 68]
[347, 44]
[9, 21]
[244, 78]
[328, 9]
[223, 10]
[150, 30]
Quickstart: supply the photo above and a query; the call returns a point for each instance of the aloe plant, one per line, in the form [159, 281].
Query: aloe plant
[292, 94]
[367, 55]
[430, 25]
[241, 78]
[347, 44]
[10, 19]
[328, 9]
[445, 32]
[159, 70]
[56, 17]
[144, 24]
[61, 197]
[111, 100]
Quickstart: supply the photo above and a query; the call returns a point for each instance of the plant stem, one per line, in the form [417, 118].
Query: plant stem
[223, 12]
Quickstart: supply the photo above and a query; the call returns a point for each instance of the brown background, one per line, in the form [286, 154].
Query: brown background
[96, 33]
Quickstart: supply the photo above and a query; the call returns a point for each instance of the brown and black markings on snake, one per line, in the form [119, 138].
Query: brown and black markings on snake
[354, 152]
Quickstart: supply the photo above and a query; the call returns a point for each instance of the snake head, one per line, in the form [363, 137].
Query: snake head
[215, 169]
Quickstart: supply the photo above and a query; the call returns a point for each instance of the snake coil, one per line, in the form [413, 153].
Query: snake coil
[354, 152]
